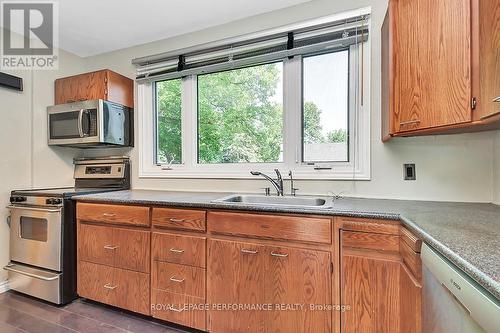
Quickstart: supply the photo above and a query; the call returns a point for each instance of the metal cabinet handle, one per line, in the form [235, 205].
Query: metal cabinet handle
[175, 310]
[177, 220]
[108, 214]
[109, 286]
[174, 250]
[496, 99]
[249, 251]
[409, 122]
[110, 247]
[277, 254]
[174, 279]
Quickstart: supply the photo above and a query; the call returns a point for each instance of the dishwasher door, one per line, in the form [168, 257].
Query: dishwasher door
[452, 301]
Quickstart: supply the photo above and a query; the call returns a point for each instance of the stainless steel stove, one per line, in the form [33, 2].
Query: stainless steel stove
[43, 229]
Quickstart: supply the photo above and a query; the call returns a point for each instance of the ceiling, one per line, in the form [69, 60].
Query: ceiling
[90, 27]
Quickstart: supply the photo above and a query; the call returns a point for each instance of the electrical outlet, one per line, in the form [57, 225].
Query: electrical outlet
[409, 172]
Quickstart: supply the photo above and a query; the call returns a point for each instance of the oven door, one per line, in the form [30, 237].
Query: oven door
[74, 123]
[36, 236]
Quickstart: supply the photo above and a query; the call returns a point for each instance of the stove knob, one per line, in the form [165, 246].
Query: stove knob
[14, 199]
[53, 201]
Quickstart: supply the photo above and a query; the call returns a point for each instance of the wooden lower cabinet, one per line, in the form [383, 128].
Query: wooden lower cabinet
[370, 288]
[257, 288]
[178, 308]
[118, 287]
[382, 293]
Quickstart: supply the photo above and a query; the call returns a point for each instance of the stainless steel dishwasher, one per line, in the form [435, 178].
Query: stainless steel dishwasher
[452, 301]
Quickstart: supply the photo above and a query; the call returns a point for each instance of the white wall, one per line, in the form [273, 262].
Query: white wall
[455, 168]
[496, 170]
[27, 161]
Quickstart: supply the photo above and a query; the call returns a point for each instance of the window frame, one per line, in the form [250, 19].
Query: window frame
[357, 168]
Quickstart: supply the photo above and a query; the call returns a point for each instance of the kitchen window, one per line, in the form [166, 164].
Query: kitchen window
[221, 113]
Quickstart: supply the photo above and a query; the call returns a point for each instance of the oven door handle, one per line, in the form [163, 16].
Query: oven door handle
[48, 210]
[12, 269]
[80, 123]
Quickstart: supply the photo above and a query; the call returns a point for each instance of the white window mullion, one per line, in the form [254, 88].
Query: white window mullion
[292, 106]
[189, 127]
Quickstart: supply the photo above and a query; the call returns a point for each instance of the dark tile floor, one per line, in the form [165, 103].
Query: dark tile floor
[19, 313]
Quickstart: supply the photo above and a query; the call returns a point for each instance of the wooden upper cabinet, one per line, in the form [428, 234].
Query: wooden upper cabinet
[433, 79]
[103, 84]
[486, 47]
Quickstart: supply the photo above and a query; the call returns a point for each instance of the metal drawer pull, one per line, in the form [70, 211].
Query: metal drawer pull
[109, 214]
[110, 247]
[175, 310]
[277, 254]
[249, 251]
[177, 220]
[109, 286]
[409, 122]
[496, 99]
[176, 250]
[173, 279]
[490, 115]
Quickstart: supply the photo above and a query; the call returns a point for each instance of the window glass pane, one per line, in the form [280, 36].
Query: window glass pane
[325, 109]
[240, 115]
[168, 122]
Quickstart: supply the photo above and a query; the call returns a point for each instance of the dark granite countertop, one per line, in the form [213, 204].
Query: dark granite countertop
[468, 234]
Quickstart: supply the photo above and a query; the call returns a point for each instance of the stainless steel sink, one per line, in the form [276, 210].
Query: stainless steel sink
[261, 200]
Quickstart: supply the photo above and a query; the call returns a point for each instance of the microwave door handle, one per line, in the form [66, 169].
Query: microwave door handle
[80, 123]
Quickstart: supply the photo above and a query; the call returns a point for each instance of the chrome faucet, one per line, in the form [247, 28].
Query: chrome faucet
[278, 183]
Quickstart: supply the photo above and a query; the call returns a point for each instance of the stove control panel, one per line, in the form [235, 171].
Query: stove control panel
[53, 201]
[17, 198]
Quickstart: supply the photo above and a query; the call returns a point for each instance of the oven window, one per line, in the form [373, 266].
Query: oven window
[33, 228]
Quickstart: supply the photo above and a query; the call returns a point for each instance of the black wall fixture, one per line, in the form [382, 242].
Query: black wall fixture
[11, 82]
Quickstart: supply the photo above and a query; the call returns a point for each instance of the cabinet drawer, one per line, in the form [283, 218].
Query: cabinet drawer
[411, 240]
[117, 247]
[95, 244]
[95, 281]
[294, 228]
[114, 214]
[132, 291]
[370, 241]
[412, 260]
[179, 249]
[118, 287]
[370, 225]
[132, 249]
[180, 309]
[183, 219]
[179, 279]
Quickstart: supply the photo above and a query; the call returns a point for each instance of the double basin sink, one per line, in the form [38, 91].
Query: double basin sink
[276, 201]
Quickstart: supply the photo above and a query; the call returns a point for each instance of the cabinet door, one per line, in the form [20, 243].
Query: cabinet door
[411, 301]
[370, 287]
[295, 280]
[95, 244]
[81, 87]
[235, 276]
[131, 290]
[132, 249]
[95, 282]
[431, 52]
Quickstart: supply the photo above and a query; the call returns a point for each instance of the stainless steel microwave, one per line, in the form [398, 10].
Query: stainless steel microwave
[92, 123]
